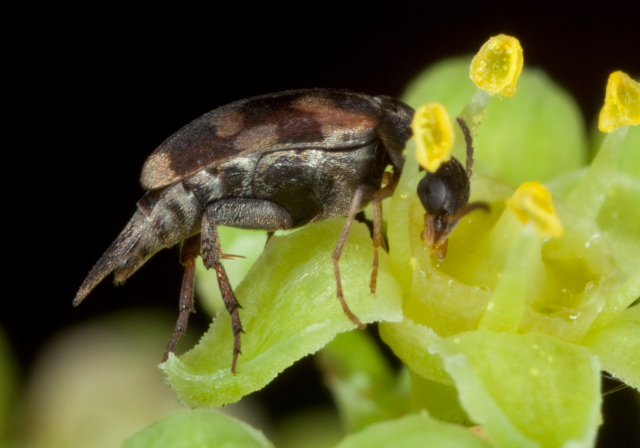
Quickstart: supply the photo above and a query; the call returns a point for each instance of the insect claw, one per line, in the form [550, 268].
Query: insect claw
[374, 279]
[231, 256]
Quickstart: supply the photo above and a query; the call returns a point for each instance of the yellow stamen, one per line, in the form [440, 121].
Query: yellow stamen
[497, 66]
[621, 103]
[532, 203]
[433, 134]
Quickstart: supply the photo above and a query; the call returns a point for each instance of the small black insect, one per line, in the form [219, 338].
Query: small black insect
[445, 197]
[272, 162]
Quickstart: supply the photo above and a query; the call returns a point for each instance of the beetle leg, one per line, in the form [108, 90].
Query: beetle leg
[232, 212]
[378, 241]
[270, 233]
[211, 255]
[353, 210]
[188, 254]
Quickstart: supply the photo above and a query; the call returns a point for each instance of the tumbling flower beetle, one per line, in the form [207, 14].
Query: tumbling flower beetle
[271, 162]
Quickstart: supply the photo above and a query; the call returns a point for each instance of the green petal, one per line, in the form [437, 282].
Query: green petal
[446, 82]
[410, 342]
[198, 428]
[620, 213]
[364, 386]
[438, 399]
[414, 431]
[544, 135]
[619, 219]
[526, 390]
[289, 310]
[618, 346]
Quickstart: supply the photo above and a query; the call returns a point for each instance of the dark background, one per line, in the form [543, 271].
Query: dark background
[99, 89]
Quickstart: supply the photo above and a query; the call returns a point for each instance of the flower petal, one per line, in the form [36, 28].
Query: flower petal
[198, 428]
[526, 390]
[412, 431]
[284, 324]
[618, 346]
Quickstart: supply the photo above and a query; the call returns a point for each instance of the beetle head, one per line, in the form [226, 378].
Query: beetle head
[444, 196]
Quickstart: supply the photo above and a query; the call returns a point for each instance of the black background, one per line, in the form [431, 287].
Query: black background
[98, 89]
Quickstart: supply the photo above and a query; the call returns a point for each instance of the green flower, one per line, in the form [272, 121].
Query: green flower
[510, 331]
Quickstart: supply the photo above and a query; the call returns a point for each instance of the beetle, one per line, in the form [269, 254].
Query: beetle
[444, 194]
[272, 162]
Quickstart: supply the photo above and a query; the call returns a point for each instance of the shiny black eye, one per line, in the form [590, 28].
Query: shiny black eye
[446, 191]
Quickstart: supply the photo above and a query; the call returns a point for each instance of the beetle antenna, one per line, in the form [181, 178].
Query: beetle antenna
[469, 142]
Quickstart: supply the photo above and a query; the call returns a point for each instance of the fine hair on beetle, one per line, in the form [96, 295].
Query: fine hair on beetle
[275, 162]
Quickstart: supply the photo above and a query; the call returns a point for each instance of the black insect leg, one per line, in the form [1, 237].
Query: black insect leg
[188, 253]
[353, 210]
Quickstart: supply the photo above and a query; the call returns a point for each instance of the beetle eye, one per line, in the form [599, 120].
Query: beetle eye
[432, 193]
[446, 191]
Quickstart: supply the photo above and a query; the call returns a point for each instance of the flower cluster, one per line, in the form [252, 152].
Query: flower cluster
[512, 329]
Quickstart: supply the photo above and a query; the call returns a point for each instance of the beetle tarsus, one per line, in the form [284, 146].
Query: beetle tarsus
[188, 252]
[355, 206]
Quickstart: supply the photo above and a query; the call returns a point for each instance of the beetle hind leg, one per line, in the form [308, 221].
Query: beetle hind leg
[188, 254]
[212, 256]
[353, 210]
[232, 212]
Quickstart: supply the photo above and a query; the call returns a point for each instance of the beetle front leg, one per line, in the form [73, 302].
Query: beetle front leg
[188, 253]
[353, 210]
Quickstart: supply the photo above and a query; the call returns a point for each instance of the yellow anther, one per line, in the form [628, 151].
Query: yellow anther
[532, 203]
[621, 103]
[497, 66]
[433, 134]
